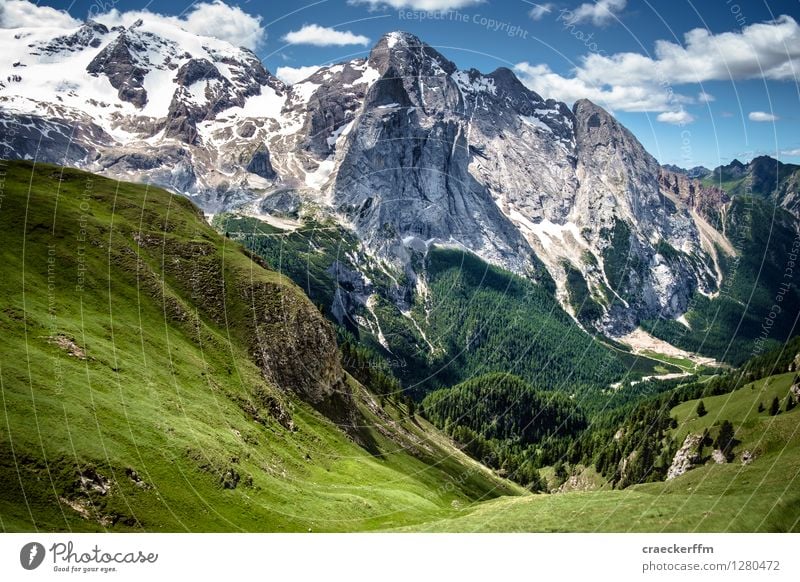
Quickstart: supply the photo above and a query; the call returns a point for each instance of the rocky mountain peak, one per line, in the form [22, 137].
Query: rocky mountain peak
[506, 81]
[596, 121]
[121, 61]
[408, 55]
[90, 34]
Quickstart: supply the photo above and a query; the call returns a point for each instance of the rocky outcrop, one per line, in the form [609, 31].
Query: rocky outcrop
[119, 62]
[260, 164]
[282, 203]
[335, 103]
[73, 143]
[89, 35]
[687, 457]
[284, 329]
[202, 93]
[169, 166]
[353, 290]
[707, 201]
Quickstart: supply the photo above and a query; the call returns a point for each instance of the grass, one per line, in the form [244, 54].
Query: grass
[759, 497]
[682, 364]
[740, 407]
[127, 345]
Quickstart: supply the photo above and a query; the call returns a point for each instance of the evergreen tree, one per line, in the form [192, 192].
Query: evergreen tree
[560, 472]
[412, 407]
[790, 403]
[775, 407]
[725, 438]
[701, 409]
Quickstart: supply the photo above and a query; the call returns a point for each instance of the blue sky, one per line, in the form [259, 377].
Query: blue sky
[699, 83]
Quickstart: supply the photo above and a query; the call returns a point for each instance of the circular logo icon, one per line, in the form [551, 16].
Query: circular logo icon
[31, 555]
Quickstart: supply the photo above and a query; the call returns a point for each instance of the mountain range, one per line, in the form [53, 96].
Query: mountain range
[401, 148]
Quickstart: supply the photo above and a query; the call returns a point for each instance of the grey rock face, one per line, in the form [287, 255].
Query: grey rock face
[88, 35]
[283, 203]
[125, 71]
[403, 173]
[334, 103]
[661, 265]
[169, 167]
[353, 291]
[74, 143]
[707, 201]
[260, 164]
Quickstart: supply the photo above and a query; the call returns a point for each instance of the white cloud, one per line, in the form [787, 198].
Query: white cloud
[680, 117]
[216, 19]
[635, 82]
[317, 35]
[292, 75]
[795, 153]
[23, 14]
[623, 97]
[761, 116]
[539, 11]
[704, 97]
[598, 13]
[768, 50]
[419, 4]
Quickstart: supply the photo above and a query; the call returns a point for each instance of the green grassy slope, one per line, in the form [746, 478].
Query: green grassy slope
[760, 496]
[134, 342]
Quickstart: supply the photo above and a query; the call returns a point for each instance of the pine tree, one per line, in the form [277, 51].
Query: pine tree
[775, 407]
[725, 440]
[701, 409]
[790, 403]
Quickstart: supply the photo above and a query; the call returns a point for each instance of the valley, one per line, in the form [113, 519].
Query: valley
[393, 295]
[160, 417]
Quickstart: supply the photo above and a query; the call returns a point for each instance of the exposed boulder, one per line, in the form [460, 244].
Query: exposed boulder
[687, 457]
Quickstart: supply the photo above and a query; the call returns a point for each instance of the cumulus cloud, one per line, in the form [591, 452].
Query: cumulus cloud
[317, 35]
[679, 117]
[768, 50]
[292, 75]
[794, 153]
[23, 14]
[539, 11]
[635, 82]
[598, 13]
[761, 116]
[216, 19]
[543, 80]
[418, 4]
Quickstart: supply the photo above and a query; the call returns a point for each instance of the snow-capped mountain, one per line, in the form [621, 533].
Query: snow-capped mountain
[402, 147]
